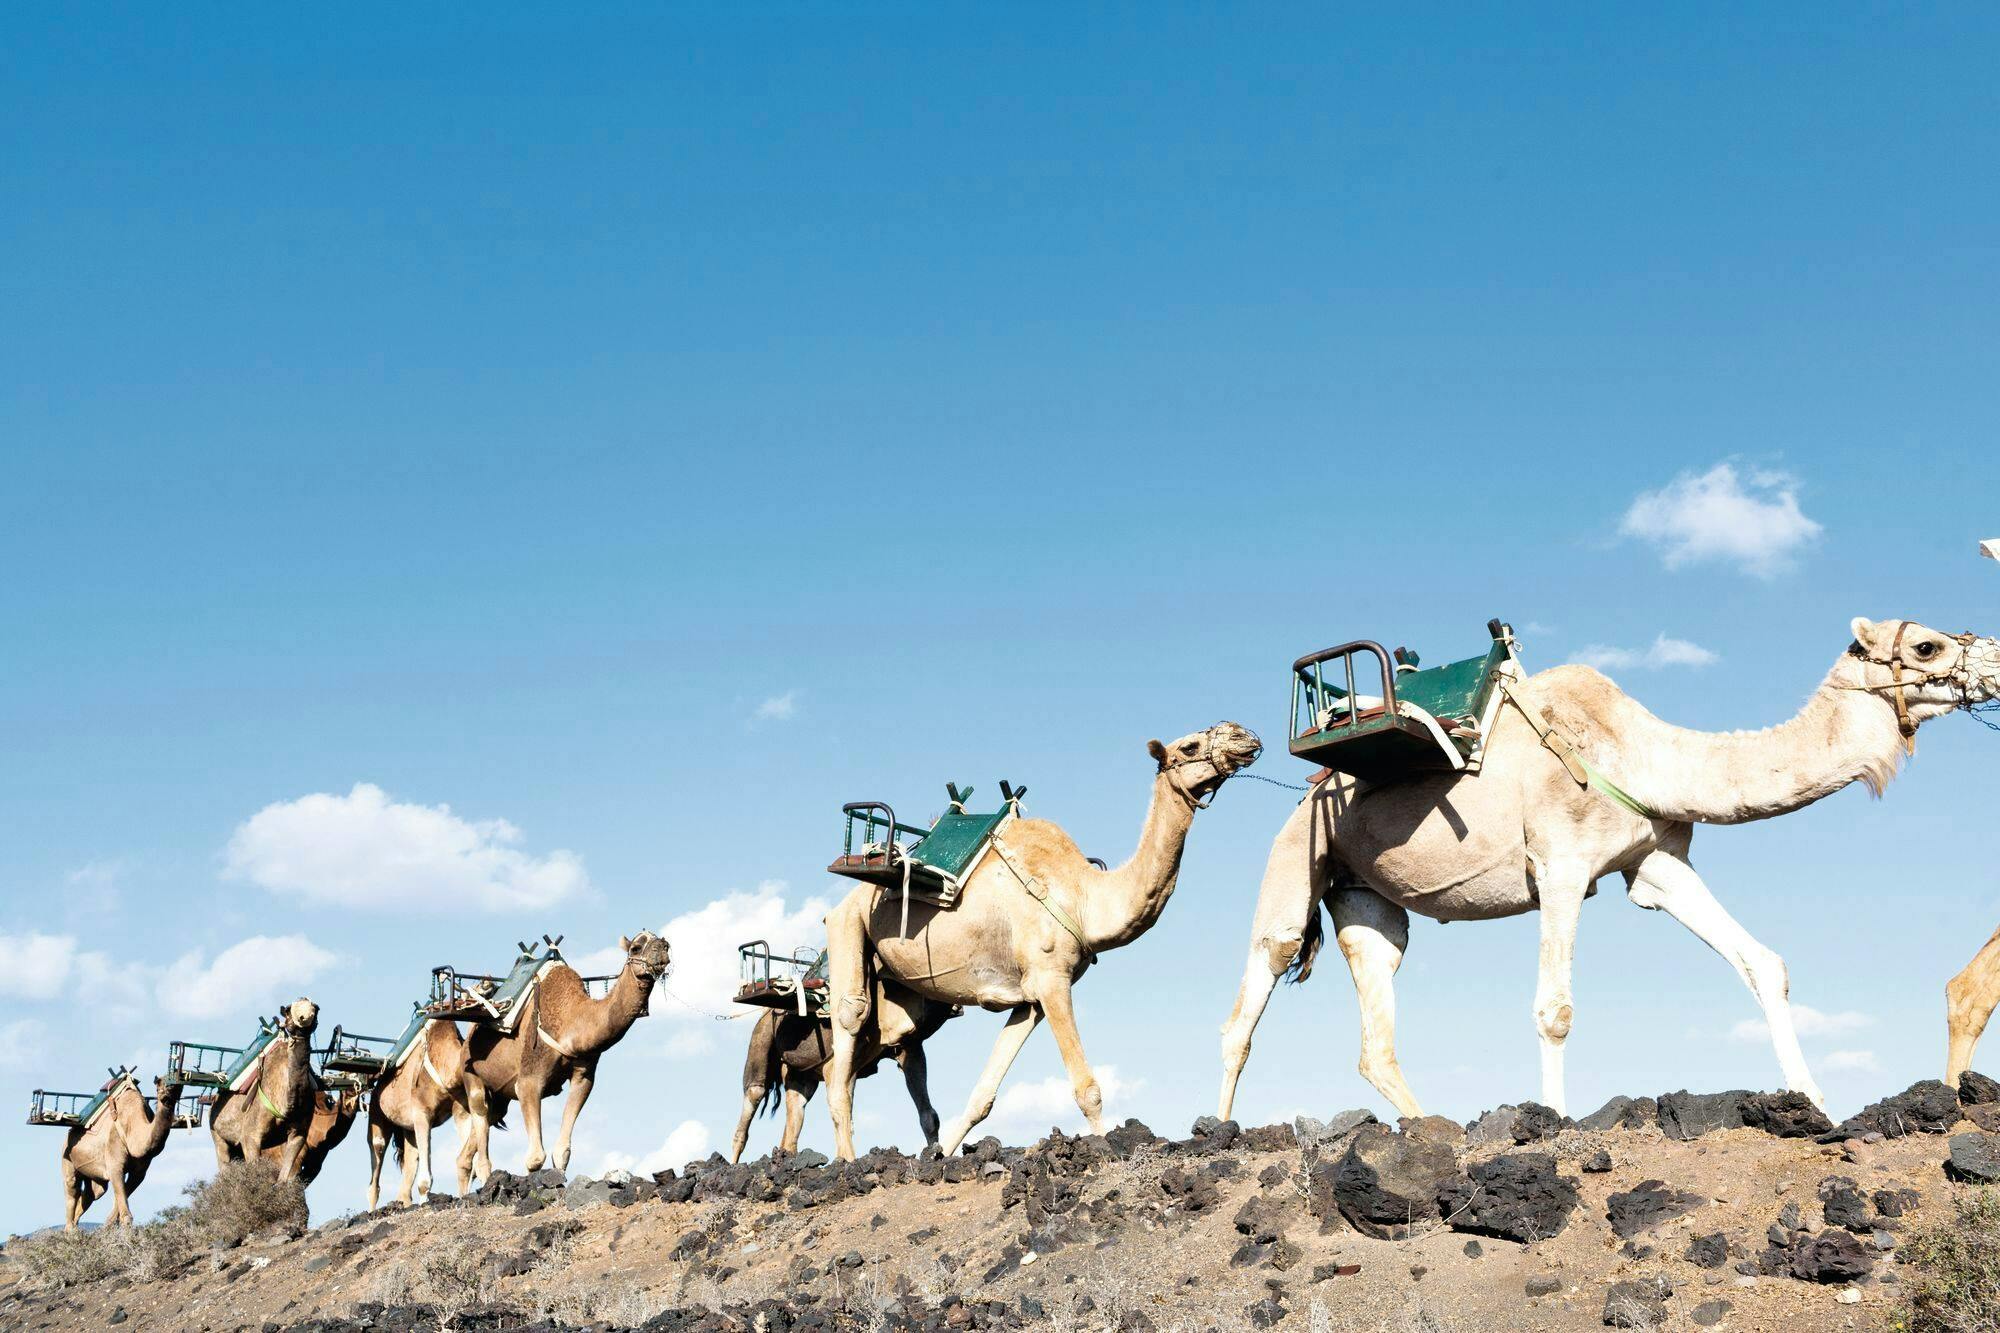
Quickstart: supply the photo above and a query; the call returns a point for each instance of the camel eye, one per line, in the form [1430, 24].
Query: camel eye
[1188, 748]
[1927, 650]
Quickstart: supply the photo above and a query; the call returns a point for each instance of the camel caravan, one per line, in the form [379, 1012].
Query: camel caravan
[1466, 791]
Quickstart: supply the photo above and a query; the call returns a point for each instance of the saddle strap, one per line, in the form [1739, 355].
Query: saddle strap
[1039, 892]
[1579, 768]
[543, 1033]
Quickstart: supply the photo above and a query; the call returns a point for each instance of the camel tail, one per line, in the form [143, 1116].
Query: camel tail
[1301, 967]
[764, 1065]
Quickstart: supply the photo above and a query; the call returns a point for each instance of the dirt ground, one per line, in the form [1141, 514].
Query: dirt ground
[623, 1265]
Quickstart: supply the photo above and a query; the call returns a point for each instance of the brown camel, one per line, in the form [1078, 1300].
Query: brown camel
[115, 1151]
[789, 1052]
[413, 1099]
[333, 1114]
[1027, 923]
[276, 1107]
[558, 1038]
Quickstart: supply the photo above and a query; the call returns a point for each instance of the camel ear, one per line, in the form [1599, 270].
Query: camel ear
[1864, 631]
[1157, 750]
[624, 944]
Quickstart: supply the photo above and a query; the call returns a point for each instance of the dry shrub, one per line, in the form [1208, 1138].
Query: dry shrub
[163, 1246]
[244, 1198]
[70, 1258]
[1951, 1274]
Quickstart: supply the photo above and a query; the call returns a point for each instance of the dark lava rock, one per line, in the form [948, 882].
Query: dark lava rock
[1384, 1183]
[1263, 1220]
[1975, 1089]
[1213, 1136]
[1926, 1107]
[1689, 1115]
[1327, 1272]
[1432, 1129]
[1275, 1174]
[1265, 1313]
[1329, 1136]
[1986, 1115]
[1250, 1253]
[1193, 1191]
[1641, 1304]
[1517, 1197]
[1495, 1126]
[1785, 1115]
[1534, 1122]
[1975, 1158]
[1845, 1205]
[1646, 1205]
[1128, 1138]
[1544, 1286]
[1708, 1251]
[1473, 1249]
[1709, 1313]
[1622, 1113]
[1597, 1163]
[1268, 1138]
[1895, 1203]
[1831, 1256]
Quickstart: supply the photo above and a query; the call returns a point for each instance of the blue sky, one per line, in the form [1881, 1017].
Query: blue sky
[641, 430]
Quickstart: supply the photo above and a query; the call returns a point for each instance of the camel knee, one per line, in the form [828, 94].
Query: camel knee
[852, 1012]
[1768, 974]
[1553, 1020]
[1235, 1050]
[1379, 1068]
[1282, 950]
[1090, 1099]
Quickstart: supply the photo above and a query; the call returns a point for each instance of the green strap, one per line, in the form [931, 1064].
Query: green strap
[266, 1103]
[1616, 792]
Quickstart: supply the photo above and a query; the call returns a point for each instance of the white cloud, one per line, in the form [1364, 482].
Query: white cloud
[38, 966]
[1029, 1110]
[701, 980]
[777, 708]
[686, 1142]
[688, 1043]
[1752, 522]
[1664, 652]
[1857, 1061]
[364, 851]
[21, 1043]
[1809, 1021]
[248, 977]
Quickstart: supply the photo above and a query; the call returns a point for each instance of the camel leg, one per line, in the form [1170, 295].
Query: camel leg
[121, 1208]
[847, 986]
[474, 1128]
[580, 1084]
[1020, 1023]
[917, 1078]
[406, 1149]
[461, 1120]
[421, 1133]
[1969, 1000]
[1664, 882]
[1285, 905]
[72, 1196]
[295, 1149]
[753, 1097]
[1057, 1008]
[799, 1089]
[378, 1148]
[1373, 934]
[1561, 893]
[531, 1122]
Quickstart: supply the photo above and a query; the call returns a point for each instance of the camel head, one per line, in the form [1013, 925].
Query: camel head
[299, 1019]
[1933, 672]
[645, 957]
[1198, 764]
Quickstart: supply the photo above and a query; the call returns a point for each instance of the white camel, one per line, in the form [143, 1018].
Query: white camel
[1535, 829]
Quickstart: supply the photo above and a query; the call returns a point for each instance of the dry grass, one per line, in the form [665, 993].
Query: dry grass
[71, 1258]
[1951, 1279]
[245, 1198]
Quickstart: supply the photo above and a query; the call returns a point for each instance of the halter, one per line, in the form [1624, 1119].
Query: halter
[1959, 676]
[1205, 754]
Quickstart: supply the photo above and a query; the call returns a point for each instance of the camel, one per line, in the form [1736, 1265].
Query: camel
[276, 1108]
[789, 1052]
[115, 1152]
[559, 1037]
[333, 1114]
[1028, 922]
[412, 1100]
[1524, 834]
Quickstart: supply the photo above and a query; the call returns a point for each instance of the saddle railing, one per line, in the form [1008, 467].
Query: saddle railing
[66, 1109]
[197, 1064]
[774, 980]
[353, 1059]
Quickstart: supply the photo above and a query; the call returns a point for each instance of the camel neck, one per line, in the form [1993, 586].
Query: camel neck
[598, 1024]
[1122, 904]
[1841, 736]
[162, 1122]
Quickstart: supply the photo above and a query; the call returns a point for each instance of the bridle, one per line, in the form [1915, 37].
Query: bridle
[1959, 675]
[1206, 754]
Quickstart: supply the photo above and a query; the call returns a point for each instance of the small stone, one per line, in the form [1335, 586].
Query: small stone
[1709, 1313]
[1544, 1286]
[1708, 1251]
[1641, 1304]
[1265, 1313]
[1849, 1296]
[1647, 1205]
[1597, 1163]
[1975, 1089]
[118, 1316]
[1975, 1158]
[1473, 1249]
[1835, 1256]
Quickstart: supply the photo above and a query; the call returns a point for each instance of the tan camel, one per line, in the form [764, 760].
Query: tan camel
[411, 1101]
[789, 1052]
[1523, 834]
[276, 1108]
[333, 1114]
[559, 1037]
[1969, 1000]
[1028, 922]
[115, 1152]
